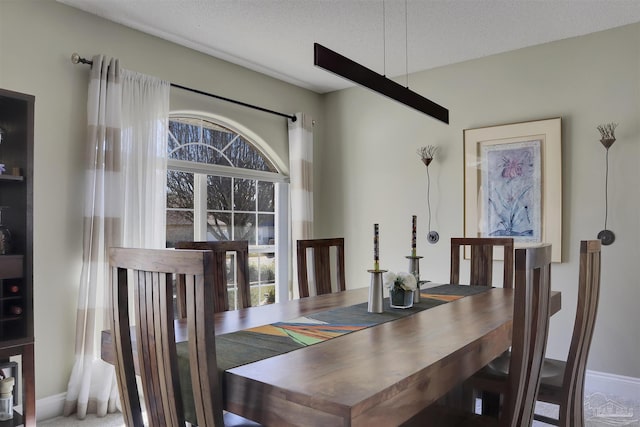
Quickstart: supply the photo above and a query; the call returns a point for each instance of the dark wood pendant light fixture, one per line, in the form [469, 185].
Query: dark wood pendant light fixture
[359, 74]
[344, 67]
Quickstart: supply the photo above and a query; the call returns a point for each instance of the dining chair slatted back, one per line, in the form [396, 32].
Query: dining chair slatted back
[529, 339]
[570, 394]
[321, 265]
[562, 382]
[530, 331]
[147, 274]
[220, 251]
[481, 268]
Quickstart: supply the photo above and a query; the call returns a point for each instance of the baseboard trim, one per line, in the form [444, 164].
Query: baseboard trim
[50, 406]
[612, 384]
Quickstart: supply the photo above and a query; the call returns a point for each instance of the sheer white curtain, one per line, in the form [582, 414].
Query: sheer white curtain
[127, 116]
[145, 124]
[301, 187]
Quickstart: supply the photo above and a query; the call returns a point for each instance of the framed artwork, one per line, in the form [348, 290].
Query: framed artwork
[513, 183]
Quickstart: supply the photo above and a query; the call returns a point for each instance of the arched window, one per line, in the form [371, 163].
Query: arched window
[222, 186]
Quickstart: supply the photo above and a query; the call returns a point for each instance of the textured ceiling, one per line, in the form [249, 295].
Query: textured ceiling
[276, 37]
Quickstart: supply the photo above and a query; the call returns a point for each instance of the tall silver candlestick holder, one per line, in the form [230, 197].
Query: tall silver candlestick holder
[375, 291]
[414, 268]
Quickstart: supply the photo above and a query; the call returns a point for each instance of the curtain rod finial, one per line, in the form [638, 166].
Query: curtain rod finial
[77, 59]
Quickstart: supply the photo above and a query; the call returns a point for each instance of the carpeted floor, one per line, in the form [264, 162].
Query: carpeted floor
[600, 411]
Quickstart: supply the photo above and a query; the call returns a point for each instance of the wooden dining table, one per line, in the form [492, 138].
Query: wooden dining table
[378, 376]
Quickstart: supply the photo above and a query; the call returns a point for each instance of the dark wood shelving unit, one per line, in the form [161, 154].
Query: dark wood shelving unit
[16, 266]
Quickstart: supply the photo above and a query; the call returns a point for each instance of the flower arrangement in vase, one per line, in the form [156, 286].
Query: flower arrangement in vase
[401, 287]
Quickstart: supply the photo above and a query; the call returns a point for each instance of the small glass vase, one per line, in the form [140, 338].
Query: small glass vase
[400, 298]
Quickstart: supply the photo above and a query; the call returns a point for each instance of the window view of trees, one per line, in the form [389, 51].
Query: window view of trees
[236, 207]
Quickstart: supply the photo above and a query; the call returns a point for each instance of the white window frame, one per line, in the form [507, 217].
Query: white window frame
[281, 193]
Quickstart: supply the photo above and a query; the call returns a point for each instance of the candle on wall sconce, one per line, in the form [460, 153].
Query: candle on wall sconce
[607, 138]
[427, 154]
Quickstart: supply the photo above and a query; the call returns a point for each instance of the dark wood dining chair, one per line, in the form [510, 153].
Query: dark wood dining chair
[562, 382]
[220, 250]
[321, 265]
[151, 272]
[529, 340]
[481, 269]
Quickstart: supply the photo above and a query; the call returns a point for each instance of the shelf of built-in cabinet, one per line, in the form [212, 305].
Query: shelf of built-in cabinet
[11, 178]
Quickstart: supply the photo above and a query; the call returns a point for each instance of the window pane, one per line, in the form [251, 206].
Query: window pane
[203, 141]
[268, 294]
[218, 193]
[218, 226]
[267, 268]
[231, 268]
[244, 155]
[179, 226]
[179, 189]
[245, 227]
[266, 229]
[231, 292]
[217, 136]
[254, 276]
[181, 133]
[266, 196]
[244, 194]
[201, 154]
[262, 274]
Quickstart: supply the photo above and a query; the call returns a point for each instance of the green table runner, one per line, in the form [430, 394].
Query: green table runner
[250, 345]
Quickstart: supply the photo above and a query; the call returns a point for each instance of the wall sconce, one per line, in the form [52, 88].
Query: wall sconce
[607, 135]
[426, 155]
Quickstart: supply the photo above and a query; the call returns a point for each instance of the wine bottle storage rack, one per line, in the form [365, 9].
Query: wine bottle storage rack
[12, 304]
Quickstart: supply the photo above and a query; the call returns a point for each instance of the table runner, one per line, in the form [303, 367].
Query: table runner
[253, 344]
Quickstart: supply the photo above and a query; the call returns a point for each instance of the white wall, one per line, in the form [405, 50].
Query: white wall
[368, 171]
[37, 38]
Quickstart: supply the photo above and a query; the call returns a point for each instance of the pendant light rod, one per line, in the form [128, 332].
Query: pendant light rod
[406, 44]
[384, 41]
[344, 67]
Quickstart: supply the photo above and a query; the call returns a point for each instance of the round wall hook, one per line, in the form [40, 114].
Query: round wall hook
[606, 237]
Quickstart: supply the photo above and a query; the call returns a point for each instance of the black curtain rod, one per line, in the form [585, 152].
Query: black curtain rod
[77, 59]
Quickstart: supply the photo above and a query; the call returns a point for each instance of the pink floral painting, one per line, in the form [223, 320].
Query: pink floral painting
[511, 190]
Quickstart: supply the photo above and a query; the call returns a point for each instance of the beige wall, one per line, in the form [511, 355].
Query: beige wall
[37, 39]
[375, 175]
